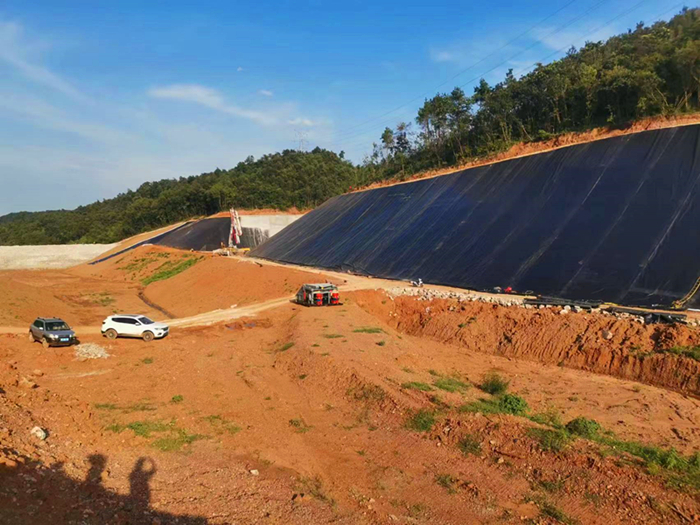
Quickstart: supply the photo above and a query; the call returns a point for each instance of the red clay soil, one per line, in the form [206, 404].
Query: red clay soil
[316, 400]
[79, 300]
[575, 340]
[226, 282]
[560, 141]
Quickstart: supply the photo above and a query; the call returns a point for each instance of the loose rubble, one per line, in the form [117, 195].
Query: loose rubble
[39, 433]
[90, 351]
[428, 294]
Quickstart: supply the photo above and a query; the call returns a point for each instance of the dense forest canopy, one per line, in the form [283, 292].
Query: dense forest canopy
[648, 71]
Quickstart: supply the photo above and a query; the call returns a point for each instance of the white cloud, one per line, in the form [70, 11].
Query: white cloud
[302, 122]
[15, 51]
[266, 92]
[239, 69]
[212, 99]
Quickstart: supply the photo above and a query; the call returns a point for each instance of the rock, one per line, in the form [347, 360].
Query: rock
[500, 460]
[8, 462]
[255, 472]
[27, 383]
[607, 335]
[563, 312]
[39, 432]
[37, 373]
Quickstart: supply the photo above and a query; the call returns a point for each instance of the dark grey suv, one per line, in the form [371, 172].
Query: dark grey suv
[52, 332]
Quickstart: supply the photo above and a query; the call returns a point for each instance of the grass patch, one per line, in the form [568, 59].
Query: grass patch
[285, 347]
[142, 428]
[494, 384]
[550, 418]
[147, 361]
[367, 393]
[450, 384]
[553, 440]
[177, 399]
[176, 441]
[692, 352]
[368, 330]
[139, 407]
[299, 425]
[469, 444]
[314, 486]
[303, 376]
[549, 510]
[170, 269]
[333, 336]
[106, 406]
[416, 385]
[421, 421]
[446, 481]
[550, 486]
[222, 425]
[508, 404]
[380, 343]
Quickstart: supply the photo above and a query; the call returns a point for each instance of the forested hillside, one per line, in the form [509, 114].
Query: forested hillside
[645, 72]
[281, 180]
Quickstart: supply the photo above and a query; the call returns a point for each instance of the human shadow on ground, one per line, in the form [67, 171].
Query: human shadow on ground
[35, 493]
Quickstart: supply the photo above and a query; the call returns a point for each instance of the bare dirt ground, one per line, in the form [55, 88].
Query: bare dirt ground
[370, 412]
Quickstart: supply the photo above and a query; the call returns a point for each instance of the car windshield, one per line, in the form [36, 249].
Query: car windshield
[56, 325]
[145, 320]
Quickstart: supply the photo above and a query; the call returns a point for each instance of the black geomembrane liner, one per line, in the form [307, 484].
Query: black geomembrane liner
[612, 220]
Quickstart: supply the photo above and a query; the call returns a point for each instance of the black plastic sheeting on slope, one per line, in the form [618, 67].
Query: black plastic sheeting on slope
[208, 234]
[613, 220]
[152, 240]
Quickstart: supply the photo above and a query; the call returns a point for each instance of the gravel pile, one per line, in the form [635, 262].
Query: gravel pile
[90, 351]
[428, 294]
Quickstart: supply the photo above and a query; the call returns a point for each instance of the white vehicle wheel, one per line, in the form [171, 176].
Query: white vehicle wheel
[148, 336]
[111, 334]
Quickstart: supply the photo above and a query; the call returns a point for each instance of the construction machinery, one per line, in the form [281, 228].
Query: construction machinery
[325, 294]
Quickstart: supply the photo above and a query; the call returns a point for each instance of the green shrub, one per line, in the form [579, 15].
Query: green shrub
[494, 384]
[469, 444]
[421, 421]
[586, 428]
[550, 440]
[512, 404]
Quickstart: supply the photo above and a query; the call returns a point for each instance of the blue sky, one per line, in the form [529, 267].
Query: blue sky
[97, 97]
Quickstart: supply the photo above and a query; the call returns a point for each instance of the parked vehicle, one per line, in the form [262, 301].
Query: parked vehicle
[52, 331]
[325, 294]
[124, 325]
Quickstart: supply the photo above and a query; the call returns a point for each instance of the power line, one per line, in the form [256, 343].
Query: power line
[481, 75]
[636, 6]
[656, 18]
[464, 70]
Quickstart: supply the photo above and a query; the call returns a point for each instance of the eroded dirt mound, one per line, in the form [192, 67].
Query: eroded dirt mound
[593, 342]
[221, 282]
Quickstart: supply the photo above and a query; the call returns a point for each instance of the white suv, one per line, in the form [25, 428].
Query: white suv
[133, 326]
